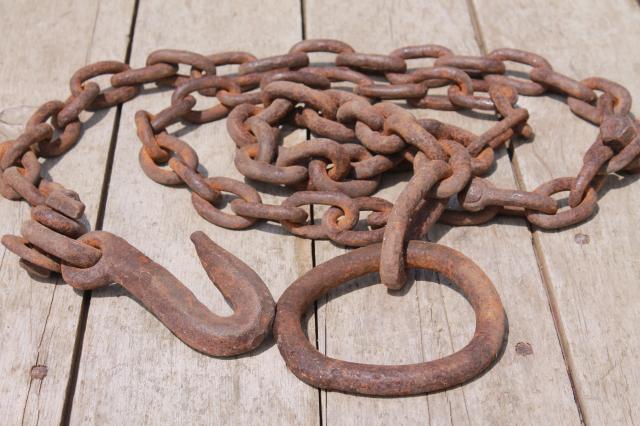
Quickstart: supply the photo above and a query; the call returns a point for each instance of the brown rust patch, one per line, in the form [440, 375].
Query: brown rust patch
[582, 239]
[39, 372]
[524, 348]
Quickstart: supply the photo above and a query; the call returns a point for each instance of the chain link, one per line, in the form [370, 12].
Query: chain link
[388, 136]
[359, 136]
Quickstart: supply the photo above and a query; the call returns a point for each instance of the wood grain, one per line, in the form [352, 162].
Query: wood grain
[38, 320]
[593, 286]
[132, 367]
[429, 320]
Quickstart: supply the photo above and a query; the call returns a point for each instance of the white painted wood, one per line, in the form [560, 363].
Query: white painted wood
[429, 320]
[594, 286]
[42, 44]
[132, 367]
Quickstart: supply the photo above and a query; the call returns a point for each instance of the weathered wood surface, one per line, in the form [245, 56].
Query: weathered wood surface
[38, 320]
[593, 280]
[430, 320]
[132, 367]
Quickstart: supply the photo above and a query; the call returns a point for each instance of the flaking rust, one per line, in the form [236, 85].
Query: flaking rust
[359, 136]
[319, 370]
[174, 304]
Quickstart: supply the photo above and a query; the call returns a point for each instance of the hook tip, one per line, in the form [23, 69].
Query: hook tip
[205, 246]
[198, 236]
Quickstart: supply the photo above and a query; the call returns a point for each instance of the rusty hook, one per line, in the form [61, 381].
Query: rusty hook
[174, 304]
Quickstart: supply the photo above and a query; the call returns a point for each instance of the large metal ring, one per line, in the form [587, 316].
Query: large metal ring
[318, 370]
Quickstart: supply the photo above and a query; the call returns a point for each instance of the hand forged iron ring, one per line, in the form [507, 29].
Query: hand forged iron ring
[318, 370]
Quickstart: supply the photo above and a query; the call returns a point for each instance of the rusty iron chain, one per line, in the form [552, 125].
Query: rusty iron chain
[359, 135]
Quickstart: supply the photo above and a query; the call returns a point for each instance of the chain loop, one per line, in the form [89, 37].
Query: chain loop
[362, 139]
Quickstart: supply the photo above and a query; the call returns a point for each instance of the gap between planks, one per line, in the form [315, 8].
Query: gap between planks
[303, 34]
[104, 194]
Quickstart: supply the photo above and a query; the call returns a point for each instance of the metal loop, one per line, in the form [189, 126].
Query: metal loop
[356, 238]
[149, 74]
[232, 57]
[384, 142]
[32, 135]
[340, 74]
[620, 96]
[569, 217]
[75, 104]
[57, 221]
[528, 88]
[323, 127]
[30, 172]
[321, 45]
[416, 52]
[23, 186]
[460, 162]
[194, 180]
[593, 161]
[481, 194]
[147, 136]
[25, 251]
[454, 75]
[481, 163]
[315, 368]
[371, 62]
[308, 149]
[174, 146]
[264, 172]
[315, 232]
[199, 64]
[392, 257]
[352, 111]
[378, 164]
[106, 98]
[70, 251]
[289, 61]
[297, 92]
[266, 137]
[214, 215]
[268, 211]
[320, 181]
[69, 134]
[65, 201]
[466, 100]
[309, 79]
[208, 82]
[172, 114]
[405, 124]
[392, 91]
[472, 64]
[562, 84]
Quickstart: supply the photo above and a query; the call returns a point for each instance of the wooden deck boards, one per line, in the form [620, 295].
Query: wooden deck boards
[430, 320]
[575, 304]
[38, 320]
[593, 286]
[167, 373]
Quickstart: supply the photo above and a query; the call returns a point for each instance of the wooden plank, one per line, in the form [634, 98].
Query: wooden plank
[428, 320]
[132, 367]
[42, 44]
[592, 280]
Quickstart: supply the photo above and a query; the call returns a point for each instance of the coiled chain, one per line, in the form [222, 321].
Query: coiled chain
[359, 135]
